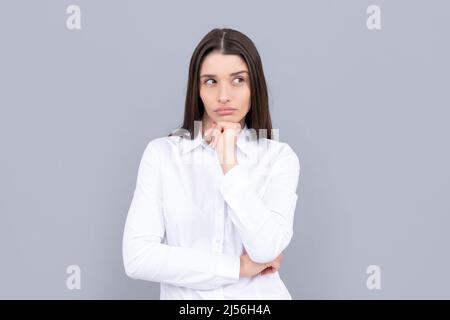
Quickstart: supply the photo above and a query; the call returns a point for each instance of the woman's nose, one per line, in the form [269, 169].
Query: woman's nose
[223, 99]
[224, 94]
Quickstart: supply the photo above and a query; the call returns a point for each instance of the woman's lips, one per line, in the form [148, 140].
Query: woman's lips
[225, 111]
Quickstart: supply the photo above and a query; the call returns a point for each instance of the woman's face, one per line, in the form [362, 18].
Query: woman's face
[225, 83]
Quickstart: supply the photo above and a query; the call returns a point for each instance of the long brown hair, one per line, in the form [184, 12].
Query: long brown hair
[228, 41]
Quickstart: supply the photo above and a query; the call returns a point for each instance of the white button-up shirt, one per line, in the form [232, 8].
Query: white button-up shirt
[189, 223]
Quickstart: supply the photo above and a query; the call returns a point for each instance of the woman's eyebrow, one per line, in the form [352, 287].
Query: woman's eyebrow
[231, 74]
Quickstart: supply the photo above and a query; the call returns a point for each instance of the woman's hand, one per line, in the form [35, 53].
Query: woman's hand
[274, 265]
[222, 136]
[250, 268]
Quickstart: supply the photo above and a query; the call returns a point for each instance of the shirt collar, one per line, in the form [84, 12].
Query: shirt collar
[245, 141]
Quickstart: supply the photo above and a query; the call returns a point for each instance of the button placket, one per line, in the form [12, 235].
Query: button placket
[219, 208]
[219, 225]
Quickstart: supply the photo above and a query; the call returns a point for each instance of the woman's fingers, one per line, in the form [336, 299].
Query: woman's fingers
[268, 270]
[211, 135]
[273, 266]
[218, 130]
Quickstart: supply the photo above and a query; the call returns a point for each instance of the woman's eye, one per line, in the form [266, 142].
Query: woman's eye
[242, 80]
[206, 82]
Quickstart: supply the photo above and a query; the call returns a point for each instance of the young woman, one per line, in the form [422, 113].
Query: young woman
[213, 208]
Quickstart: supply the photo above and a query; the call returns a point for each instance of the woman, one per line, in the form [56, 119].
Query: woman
[213, 207]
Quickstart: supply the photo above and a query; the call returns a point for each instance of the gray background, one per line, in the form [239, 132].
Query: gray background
[366, 111]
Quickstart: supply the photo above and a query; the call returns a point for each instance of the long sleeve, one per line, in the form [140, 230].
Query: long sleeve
[265, 223]
[147, 258]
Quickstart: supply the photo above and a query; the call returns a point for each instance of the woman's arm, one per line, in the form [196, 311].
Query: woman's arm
[146, 258]
[264, 224]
